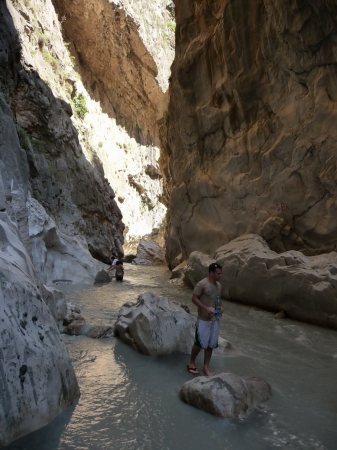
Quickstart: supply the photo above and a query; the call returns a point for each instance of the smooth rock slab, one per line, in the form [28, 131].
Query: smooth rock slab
[226, 394]
[155, 326]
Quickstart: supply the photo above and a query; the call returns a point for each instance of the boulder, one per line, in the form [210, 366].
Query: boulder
[303, 287]
[129, 258]
[155, 326]
[100, 332]
[196, 268]
[149, 253]
[226, 394]
[103, 277]
[74, 324]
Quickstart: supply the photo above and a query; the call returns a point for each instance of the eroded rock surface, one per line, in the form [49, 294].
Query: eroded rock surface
[155, 326]
[251, 125]
[303, 287]
[226, 394]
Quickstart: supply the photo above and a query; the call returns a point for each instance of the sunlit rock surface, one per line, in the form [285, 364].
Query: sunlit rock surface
[303, 287]
[226, 394]
[123, 51]
[155, 326]
[149, 253]
[251, 132]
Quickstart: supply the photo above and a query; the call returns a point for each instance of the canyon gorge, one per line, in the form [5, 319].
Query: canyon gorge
[190, 123]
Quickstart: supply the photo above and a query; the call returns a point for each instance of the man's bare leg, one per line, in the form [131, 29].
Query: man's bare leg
[194, 353]
[207, 359]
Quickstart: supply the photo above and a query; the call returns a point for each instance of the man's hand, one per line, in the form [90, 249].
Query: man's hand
[208, 311]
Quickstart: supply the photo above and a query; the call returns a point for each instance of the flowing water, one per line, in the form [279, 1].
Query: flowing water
[131, 401]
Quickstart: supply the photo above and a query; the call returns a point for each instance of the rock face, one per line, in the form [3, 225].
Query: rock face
[124, 61]
[37, 379]
[252, 116]
[149, 253]
[72, 191]
[155, 326]
[303, 287]
[226, 394]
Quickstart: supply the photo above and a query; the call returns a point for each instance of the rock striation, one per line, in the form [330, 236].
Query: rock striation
[226, 394]
[303, 287]
[251, 126]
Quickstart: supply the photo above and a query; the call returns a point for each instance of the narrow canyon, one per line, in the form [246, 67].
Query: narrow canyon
[187, 124]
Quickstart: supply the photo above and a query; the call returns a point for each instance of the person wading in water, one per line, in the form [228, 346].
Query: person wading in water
[207, 329]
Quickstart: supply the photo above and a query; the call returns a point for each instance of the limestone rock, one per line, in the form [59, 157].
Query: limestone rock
[196, 268]
[55, 300]
[303, 287]
[100, 332]
[250, 143]
[102, 277]
[155, 326]
[76, 327]
[57, 256]
[149, 253]
[226, 394]
[32, 357]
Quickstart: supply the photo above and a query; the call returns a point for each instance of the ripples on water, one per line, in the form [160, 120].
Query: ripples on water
[130, 401]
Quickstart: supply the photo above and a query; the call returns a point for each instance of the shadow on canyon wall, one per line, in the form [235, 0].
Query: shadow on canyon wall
[71, 189]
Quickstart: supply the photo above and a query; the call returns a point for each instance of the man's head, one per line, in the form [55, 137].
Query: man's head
[214, 271]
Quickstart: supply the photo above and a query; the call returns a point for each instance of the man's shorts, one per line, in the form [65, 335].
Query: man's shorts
[206, 334]
[119, 275]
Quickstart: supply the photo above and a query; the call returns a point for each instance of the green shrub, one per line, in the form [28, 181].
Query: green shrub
[80, 105]
[24, 138]
[172, 26]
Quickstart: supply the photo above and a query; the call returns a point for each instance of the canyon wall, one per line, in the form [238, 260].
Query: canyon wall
[123, 51]
[251, 136]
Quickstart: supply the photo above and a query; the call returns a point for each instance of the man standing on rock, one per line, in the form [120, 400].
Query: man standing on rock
[207, 330]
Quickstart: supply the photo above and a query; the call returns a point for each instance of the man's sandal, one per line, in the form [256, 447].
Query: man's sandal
[192, 370]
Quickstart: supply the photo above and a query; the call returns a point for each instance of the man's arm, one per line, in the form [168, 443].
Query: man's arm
[197, 302]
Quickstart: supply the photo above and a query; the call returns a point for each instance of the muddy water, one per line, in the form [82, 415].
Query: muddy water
[130, 401]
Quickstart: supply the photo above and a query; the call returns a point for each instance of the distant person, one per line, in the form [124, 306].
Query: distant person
[113, 263]
[119, 270]
[207, 329]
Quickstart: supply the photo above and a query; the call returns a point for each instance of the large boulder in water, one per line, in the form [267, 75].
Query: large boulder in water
[304, 287]
[149, 253]
[103, 276]
[155, 326]
[226, 394]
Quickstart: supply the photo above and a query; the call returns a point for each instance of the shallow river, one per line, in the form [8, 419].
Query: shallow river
[130, 401]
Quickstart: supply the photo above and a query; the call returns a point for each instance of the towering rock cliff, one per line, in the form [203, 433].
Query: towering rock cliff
[123, 53]
[251, 139]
